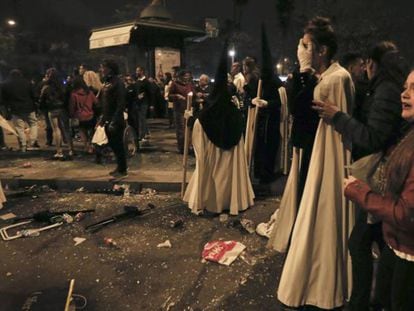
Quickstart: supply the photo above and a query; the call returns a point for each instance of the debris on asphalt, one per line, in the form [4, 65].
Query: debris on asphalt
[8, 274]
[148, 191]
[168, 304]
[177, 222]
[223, 217]
[248, 225]
[27, 165]
[247, 258]
[166, 244]
[222, 252]
[81, 189]
[110, 242]
[78, 240]
[7, 216]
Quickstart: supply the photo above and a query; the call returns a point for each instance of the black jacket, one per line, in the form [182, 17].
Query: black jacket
[377, 124]
[305, 120]
[113, 101]
[144, 88]
[18, 96]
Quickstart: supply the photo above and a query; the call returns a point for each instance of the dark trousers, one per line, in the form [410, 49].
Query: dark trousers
[267, 145]
[2, 142]
[133, 121]
[360, 243]
[303, 171]
[49, 129]
[395, 282]
[116, 142]
[179, 109]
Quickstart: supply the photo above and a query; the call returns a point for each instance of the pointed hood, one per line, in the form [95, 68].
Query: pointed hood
[221, 120]
[270, 80]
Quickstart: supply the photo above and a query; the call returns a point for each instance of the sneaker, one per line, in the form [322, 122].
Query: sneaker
[144, 142]
[58, 156]
[34, 146]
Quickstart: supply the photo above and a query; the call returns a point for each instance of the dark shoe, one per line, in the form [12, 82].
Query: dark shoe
[119, 174]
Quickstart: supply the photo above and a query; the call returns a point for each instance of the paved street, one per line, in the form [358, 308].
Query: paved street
[136, 274]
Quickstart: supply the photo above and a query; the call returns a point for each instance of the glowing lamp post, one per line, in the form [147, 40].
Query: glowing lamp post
[232, 54]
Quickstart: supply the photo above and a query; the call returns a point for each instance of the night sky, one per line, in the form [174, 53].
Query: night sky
[84, 15]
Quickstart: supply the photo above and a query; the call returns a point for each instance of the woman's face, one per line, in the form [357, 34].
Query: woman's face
[407, 99]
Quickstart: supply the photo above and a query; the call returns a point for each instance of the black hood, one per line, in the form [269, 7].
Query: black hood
[222, 121]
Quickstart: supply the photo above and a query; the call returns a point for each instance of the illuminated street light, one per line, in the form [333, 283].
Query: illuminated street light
[232, 53]
[11, 22]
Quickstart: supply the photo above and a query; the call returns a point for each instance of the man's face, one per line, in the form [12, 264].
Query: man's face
[407, 99]
[82, 70]
[235, 69]
[357, 69]
[139, 72]
[203, 81]
[187, 77]
[129, 80]
[104, 71]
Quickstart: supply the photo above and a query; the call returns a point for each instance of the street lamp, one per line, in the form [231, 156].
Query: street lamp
[11, 22]
[232, 53]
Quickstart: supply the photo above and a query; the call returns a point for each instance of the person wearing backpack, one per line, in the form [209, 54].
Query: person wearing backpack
[81, 105]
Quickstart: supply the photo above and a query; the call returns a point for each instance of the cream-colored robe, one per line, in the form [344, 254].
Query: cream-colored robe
[2, 196]
[317, 269]
[221, 180]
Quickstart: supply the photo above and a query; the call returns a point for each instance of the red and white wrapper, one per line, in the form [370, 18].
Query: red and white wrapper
[223, 252]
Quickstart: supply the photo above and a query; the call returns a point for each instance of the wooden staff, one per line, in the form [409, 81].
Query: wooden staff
[186, 145]
[251, 128]
[69, 297]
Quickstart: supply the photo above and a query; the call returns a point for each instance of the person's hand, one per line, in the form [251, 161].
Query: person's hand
[305, 56]
[188, 114]
[348, 181]
[141, 95]
[181, 97]
[199, 94]
[258, 102]
[326, 110]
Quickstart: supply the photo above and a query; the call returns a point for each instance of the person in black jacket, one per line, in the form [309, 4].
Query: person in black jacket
[113, 106]
[18, 97]
[374, 127]
[144, 99]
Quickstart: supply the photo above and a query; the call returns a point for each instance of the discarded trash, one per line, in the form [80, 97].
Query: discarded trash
[35, 196]
[81, 189]
[79, 216]
[78, 240]
[27, 165]
[176, 222]
[247, 258]
[148, 191]
[8, 274]
[168, 304]
[110, 242]
[248, 225]
[166, 244]
[29, 233]
[223, 252]
[7, 216]
[223, 217]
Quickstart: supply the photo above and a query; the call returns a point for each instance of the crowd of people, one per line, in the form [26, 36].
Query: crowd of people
[352, 141]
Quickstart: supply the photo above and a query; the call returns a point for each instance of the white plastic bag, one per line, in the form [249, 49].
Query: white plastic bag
[100, 137]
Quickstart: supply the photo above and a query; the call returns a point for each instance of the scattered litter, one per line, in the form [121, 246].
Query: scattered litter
[223, 252]
[7, 216]
[78, 240]
[110, 242]
[97, 280]
[167, 305]
[243, 280]
[148, 191]
[166, 244]
[81, 189]
[248, 225]
[177, 222]
[27, 165]
[223, 217]
[35, 196]
[247, 258]
[8, 274]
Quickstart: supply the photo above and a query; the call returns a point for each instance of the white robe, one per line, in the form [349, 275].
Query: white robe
[317, 269]
[2, 196]
[221, 180]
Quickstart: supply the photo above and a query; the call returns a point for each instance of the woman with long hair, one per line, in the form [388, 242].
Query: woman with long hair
[52, 98]
[390, 197]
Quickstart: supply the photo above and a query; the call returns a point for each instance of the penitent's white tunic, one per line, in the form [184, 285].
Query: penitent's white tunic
[317, 267]
[2, 196]
[221, 180]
